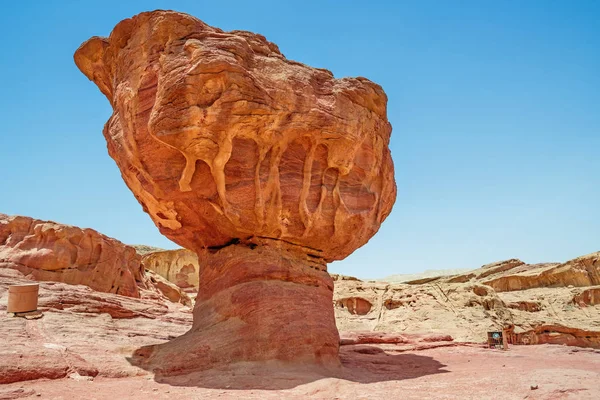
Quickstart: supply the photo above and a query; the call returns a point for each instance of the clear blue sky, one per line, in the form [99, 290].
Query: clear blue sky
[495, 108]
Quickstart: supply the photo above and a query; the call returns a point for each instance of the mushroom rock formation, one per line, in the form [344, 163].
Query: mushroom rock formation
[265, 167]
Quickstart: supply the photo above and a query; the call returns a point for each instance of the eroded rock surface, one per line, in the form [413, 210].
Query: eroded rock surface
[582, 271]
[542, 303]
[50, 251]
[263, 166]
[83, 332]
[218, 131]
[178, 266]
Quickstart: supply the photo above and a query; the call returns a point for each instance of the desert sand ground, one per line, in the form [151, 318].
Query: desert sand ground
[368, 372]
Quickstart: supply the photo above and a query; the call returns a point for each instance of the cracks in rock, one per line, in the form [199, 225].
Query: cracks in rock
[294, 244]
[232, 242]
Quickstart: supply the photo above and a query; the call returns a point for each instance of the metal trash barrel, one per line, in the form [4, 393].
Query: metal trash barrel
[23, 298]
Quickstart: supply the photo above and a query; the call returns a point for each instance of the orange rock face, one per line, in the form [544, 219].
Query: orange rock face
[265, 167]
[253, 305]
[48, 251]
[221, 138]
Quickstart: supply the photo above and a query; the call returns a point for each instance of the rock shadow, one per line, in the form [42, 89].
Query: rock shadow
[359, 363]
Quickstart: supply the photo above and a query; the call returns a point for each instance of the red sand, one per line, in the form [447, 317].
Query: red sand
[370, 372]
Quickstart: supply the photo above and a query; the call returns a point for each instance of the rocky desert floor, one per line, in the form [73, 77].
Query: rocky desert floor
[368, 372]
[419, 339]
[82, 349]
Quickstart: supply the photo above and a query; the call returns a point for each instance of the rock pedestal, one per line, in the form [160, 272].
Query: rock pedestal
[257, 303]
[266, 168]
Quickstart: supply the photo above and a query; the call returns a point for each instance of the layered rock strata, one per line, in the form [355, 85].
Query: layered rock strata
[178, 266]
[265, 167]
[537, 303]
[50, 251]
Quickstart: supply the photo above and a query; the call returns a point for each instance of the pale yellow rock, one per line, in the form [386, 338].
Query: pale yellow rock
[178, 266]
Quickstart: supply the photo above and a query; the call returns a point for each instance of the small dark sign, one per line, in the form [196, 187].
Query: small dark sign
[495, 340]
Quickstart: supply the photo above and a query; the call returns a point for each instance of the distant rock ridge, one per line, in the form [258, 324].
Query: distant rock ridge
[429, 273]
[535, 303]
[143, 249]
[514, 274]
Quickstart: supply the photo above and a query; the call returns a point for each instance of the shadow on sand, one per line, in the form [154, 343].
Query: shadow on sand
[360, 363]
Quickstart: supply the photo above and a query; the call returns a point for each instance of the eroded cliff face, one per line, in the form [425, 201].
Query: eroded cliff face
[178, 266]
[549, 309]
[582, 271]
[217, 132]
[49, 251]
[541, 303]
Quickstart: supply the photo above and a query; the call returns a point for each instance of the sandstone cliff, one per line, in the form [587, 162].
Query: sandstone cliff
[49, 251]
[178, 266]
[541, 303]
[538, 303]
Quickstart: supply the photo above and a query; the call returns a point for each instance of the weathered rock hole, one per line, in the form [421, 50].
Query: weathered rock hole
[392, 304]
[188, 269]
[480, 291]
[233, 241]
[355, 305]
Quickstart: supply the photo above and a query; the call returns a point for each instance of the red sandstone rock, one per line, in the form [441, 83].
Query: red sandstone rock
[254, 304]
[263, 166]
[82, 331]
[49, 251]
[218, 131]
